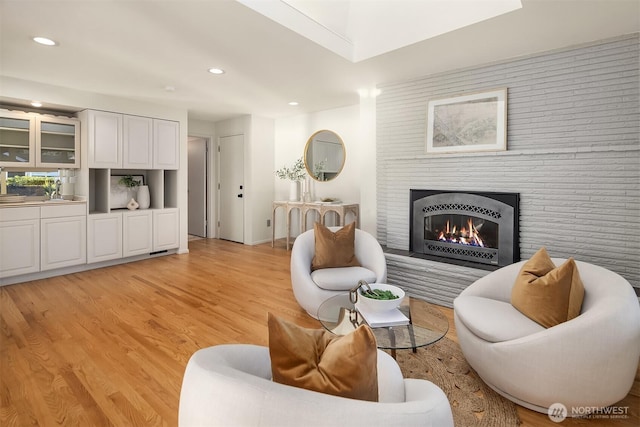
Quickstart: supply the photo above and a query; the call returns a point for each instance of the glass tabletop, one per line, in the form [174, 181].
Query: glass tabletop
[427, 324]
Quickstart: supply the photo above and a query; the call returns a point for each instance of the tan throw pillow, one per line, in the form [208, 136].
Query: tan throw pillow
[317, 360]
[548, 294]
[334, 249]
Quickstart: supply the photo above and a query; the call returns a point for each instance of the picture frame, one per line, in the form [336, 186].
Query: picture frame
[467, 123]
[119, 194]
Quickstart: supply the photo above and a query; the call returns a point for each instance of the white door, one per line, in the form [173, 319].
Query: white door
[197, 190]
[231, 179]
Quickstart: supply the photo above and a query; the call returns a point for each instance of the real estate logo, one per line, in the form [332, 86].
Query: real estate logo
[557, 412]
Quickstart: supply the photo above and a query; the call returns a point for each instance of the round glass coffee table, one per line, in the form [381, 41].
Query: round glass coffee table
[426, 325]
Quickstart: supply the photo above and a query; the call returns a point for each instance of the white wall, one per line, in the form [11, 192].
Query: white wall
[357, 176]
[261, 187]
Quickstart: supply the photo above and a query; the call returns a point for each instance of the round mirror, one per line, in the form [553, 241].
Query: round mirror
[324, 155]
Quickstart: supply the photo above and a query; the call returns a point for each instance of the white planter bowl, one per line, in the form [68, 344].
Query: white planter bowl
[378, 305]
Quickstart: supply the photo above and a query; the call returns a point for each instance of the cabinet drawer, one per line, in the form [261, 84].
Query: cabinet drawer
[15, 214]
[63, 211]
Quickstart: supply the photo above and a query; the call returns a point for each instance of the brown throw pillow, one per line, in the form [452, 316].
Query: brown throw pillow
[317, 360]
[334, 249]
[548, 294]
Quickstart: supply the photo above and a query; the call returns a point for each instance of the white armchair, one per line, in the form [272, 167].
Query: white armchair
[230, 385]
[588, 361]
[312, 289]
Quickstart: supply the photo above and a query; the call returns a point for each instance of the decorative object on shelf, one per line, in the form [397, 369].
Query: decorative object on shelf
[143, 197]
[130, 181]
[293, 191]
[294, 174]
[467, 123]
[132, 205]
[120, 194]
[306, 192]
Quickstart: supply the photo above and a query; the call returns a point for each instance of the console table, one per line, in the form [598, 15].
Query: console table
[341, 209]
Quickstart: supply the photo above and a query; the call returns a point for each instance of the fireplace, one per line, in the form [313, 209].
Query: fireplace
[461, 227]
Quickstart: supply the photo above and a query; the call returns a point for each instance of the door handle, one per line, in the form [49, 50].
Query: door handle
[240, 195]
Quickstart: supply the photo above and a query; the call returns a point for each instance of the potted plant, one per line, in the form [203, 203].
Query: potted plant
[295, 174]
[142, 193]
[129, 181]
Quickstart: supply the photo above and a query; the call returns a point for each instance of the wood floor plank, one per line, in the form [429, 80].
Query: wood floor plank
[108, 347]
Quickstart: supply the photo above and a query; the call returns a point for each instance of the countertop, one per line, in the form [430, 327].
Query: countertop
[31, 203]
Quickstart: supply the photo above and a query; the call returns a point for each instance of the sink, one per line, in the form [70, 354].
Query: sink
[55, 200]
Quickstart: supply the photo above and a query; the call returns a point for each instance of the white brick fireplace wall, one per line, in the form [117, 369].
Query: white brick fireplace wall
[573, 130]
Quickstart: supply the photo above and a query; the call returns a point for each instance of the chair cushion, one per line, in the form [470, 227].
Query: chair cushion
[493, 320]
[334, 249]
[342, 278]
[317, 360]
[548, 294]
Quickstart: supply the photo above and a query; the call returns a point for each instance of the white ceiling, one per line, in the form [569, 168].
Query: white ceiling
[359, 30]
[136, 48]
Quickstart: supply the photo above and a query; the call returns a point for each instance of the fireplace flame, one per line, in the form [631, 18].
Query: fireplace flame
[466, 236]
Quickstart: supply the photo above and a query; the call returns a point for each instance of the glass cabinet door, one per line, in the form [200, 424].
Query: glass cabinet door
[57, 142]
[17, 139]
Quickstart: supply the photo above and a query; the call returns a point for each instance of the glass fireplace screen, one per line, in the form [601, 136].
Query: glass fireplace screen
[461, 229]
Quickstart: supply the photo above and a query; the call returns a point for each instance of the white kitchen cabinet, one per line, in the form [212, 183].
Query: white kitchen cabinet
[137, 142]
[137, 233]
[57, 142]
[17, 139]
[104, 133]
[35, 140]
[120, 141]
[19, 241]
[63, 236]
[104, 237]
[166, 141]
[166, 226]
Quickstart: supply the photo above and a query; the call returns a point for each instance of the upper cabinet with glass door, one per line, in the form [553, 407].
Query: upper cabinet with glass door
[30, 140]
[17, 139]
[57, 142]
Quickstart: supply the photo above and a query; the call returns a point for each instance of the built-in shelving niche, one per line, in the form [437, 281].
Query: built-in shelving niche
[163, 185]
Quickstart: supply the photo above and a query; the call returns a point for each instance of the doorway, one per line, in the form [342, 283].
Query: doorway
[197, 186]
[231, 188]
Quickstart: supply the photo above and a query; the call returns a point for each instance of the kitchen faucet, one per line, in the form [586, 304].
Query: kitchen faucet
[56, 193]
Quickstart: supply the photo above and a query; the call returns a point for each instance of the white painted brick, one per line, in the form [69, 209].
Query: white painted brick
[574, 157]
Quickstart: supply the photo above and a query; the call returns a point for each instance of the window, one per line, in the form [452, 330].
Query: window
[30, 184]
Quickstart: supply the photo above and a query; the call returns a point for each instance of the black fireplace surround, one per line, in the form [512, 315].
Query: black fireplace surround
[465, 227]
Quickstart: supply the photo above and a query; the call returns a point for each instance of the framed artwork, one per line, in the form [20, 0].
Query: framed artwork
[467, 123]
[120, 194]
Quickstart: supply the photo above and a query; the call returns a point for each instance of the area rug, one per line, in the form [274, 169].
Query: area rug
[473, 403]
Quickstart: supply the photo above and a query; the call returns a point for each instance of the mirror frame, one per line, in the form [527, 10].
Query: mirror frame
[307, 147]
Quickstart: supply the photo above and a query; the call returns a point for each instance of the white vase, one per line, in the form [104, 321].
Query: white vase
[132, 205]
[293, 191]
[144, 199]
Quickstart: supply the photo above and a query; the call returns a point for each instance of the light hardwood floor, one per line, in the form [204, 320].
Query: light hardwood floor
[109, 346]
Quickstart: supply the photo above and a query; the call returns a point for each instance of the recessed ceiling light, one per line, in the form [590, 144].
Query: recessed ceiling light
[36, 104]
[293, 103]
[45, 41]
[216, 70]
